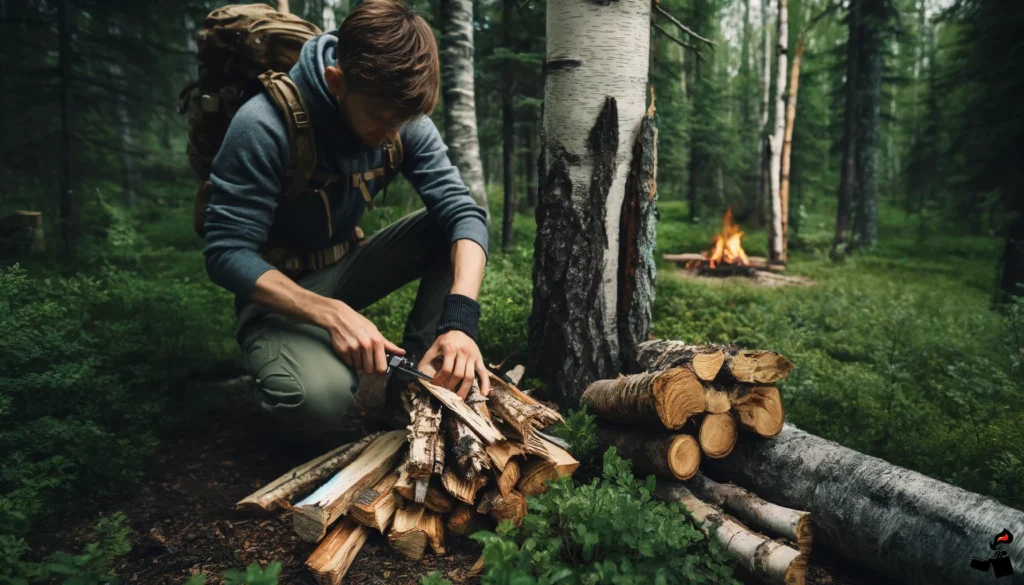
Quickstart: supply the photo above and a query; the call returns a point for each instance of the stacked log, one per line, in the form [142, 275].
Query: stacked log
[460, 466]
[690, 404]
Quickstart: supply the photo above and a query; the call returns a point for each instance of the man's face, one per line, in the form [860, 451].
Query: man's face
[368, 117]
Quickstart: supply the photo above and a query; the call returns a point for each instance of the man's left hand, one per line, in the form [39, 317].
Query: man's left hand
[461, 363]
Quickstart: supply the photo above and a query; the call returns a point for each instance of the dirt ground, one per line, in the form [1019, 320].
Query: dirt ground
[184, 521]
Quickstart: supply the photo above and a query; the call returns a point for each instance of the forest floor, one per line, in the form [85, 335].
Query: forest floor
[184, 523]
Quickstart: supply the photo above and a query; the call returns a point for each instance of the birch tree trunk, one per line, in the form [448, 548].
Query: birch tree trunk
[787, 145]
[776, 251]
[760, 187]
[459, 101]
[913, 528]
[66, 178]
[594, 101]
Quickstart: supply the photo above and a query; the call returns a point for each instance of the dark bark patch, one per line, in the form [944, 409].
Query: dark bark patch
[561, 65]
[637, 234]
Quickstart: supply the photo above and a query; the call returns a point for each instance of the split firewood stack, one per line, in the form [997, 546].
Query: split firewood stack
[696, 401]
[460, 466]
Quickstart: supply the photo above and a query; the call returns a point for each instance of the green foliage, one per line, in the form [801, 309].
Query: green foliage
[253, 575]
[434, 578]
[608, 531]
[91, 567]
[580, 431]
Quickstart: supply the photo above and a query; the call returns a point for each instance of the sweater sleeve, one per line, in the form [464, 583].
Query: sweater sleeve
[246, 176]
[426, 165]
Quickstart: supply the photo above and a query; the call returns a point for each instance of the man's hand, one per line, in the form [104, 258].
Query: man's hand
[356, 339]
[461, 363]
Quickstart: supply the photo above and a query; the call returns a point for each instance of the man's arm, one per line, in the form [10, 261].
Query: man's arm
[246, 176]
[447, 198]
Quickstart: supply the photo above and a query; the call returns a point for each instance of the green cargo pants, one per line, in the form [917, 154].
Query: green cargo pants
[298, 377]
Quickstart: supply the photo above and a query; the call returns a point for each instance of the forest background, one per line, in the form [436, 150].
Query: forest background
[909, 345]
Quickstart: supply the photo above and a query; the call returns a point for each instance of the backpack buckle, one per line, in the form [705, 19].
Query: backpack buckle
[301, 119]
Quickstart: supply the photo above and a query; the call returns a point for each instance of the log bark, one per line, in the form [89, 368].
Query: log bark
[503, 507]
[457, 84]
[467, 450]
[406, 535]
[464, 491]
[436, 497]
[276, 494]
[913, 528]
[760, 410]
[794, 525]
[637, 235]
[481, 425]
[594, 99]
[766, 559]
[662, 354]
[756, 262]
[315, 513]
[375, 507]
[717, 435]
[426, 445]
[501, 452]
[520, 410]
[671, 456]
[667, 397]
[755, 366]
[332, 558]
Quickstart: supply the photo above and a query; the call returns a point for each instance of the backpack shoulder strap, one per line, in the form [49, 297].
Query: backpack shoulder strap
[302, 161]
[393, 155]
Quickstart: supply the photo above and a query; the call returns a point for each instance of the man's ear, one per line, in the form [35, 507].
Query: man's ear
[335, 79]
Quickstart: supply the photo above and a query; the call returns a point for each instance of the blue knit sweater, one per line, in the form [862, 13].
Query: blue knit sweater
[248, 170]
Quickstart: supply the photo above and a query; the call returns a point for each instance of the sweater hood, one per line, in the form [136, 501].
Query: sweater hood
[308, 74]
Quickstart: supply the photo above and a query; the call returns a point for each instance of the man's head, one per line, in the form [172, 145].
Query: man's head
[387, 71]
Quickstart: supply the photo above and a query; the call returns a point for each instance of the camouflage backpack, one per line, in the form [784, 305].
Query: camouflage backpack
[242, 50]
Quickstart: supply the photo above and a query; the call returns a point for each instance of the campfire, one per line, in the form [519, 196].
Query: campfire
[726, 256]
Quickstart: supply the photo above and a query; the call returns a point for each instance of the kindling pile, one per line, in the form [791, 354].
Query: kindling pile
[459, 466]
[690, 402]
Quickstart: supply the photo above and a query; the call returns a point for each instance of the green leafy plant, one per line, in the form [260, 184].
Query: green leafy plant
[253, 575]
[434, 578]
[579, 430]
[92, 566]
[608, 531]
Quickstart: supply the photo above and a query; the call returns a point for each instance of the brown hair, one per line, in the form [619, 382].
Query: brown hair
[387, 50]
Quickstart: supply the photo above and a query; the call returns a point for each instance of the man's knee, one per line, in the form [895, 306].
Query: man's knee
[300, 381]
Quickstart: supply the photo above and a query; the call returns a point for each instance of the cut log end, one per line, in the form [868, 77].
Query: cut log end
[332, 559]
[406, 536]
[757, 366]
[707, 365]
[718, 435]
[680, 395]
[683, 456]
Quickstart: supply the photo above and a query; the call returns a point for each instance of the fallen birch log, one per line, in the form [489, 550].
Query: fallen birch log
[313, 515]
[276, 494]
[662, 354]
[795, 525]
[764, 558]
[906, 525]
[664, 455]
[332, 558]
[668, 398]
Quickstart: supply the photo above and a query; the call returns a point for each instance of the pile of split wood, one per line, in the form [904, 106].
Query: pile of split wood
[459, 467]
[690, 402]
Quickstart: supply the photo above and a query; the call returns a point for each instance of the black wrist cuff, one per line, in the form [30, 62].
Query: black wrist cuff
[459, 313]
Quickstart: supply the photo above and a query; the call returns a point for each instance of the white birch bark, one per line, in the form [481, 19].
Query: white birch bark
[766, 40]
[611, 42]
[459, 95]
[775, 248]
[908, 526]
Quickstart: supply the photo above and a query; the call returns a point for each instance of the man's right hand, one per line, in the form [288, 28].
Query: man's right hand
[355, 338]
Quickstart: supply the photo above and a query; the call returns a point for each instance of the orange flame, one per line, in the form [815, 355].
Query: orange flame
[727, 248]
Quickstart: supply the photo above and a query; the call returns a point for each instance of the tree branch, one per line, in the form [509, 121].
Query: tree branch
[674, 39]
[682, 26]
